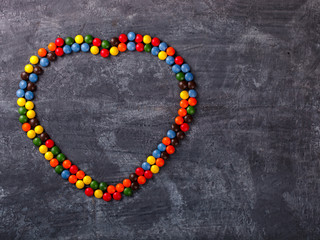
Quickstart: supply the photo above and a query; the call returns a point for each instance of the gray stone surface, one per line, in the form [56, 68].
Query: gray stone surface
[249, 168]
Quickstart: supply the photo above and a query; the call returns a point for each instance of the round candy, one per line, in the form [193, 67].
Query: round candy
[52, 46]
[171, 134]
[155, 51]
[104, 53]
[142, 180]
[78, 39]
[94, 184]
[29, 105]
[28, 68]
[37, 141]
[59, 42]
[161, 147]
[58, 169]
[79, 184]
[42, 52]
[33, 77]
[185, 68]
[122, 47]
[54, 162]
[170, 51]
[188, 76]
[117, 196]
[162, 55]
[22, 110]
[139, 171]
[105, 44]
[114, 41]
[34, 60]
[135, 186]
[146, 39]
[184, 127]
[114, 51]
[148, 174]
[85, 47]
[94, 50]
[66, 164]
[96, 42]
[61, 157]
[151, 160]
[156, 153]
[80, 174]
[147, 48]
[131, 36]
[155, 42]
[29, 95]
[38, 129]
[123, 38]
[20, 93]
[145, 166]
[67, 49]
[160, 162]
[192, 93]
[170, 60]
[55, 150]
[192, 101]
[65, 174]
[138, 38]
[72, 179]
[23, 119]
[154, 169]
[119, 187]
[59, 51]
[44, 62]
[131, 46]
[126, 182]
[184, 95]
[107, 197]
[139, 47]
[170, 149]
[178, 60]
[103, 186]
[166, 141]
[75, 47]
[176, 68]
[69, 41]
[37, 70]
[43, 149]
[163, 46]
[127, 191]
[98, 193]
[49, 143]
[111, 189]
[87, 180]
[182, 111]
[88, 192]
[88, 39]
[180, 76]
[51, 56]
[21, 101]
[191, 110]
[26, 127]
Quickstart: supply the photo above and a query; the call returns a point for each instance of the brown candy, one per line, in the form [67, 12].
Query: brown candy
[181, 135]
[24, 76]
[34, 122]
[37, 70]
[114, 41]
[133, 177]
[44, 136]
[31, 87]
[188, 118]
[183, 84]
[134, 186]
[175, 127]
[192, 84]
[164, 155]
[51, 56]
[175, 141]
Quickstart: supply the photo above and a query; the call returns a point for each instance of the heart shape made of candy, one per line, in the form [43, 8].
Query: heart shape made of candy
[125, 42]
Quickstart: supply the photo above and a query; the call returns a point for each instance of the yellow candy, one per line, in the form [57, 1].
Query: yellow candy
[184, 94]
[94, 50]
[28, 68]
[31, 114]
[43, 149]
[31, 134]
[162, 55]
[146, 39]
[114, 51]
[29, 105]
[154, 169]
[34, 60]
[87, 180]
[48, 155]
[98, 193]
[38, 129]
[151, 160]
[78, 39]
[79, 184]
[21, 102]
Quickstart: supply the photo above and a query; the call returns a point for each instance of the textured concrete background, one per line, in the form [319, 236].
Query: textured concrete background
[249, 168]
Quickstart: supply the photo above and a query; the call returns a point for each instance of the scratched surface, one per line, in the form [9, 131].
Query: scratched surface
[249, 168]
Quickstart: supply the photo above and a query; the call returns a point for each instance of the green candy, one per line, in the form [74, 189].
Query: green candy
[88, 39]
[191, 110]
[127, 191]
[180, 76]
[22, 110]
[103, 186]
[94, 184]
[23, 119]
[55, 150]
[37, 141]
[69, 41]
[105, 44]
[61, 157]
[147, 48]
[58, 169]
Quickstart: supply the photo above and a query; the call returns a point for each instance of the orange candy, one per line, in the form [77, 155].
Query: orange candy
[192, 101]
[126, 183]
[80, 174]
[26, 127]
[122, 47]
[66, 164]
[73, 179]
[54, 162]
[42, 52]
[179, 120]
[184, 103]
[52, 46]
[170, 149]
[170, 51]
[141, 180]
[159, 162]
[111, 189]
[166, 141]
[182, 112]
[119, 187]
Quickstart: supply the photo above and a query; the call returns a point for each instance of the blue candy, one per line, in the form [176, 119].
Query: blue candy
[162, 147]
[33, 77]
[85, 47]
[163, 46]
[131, 46]
[20, 93]
[170, 60]
[156, 153]
[23, 84]
[188, 76]
[75, 47]
[131, 36]
[65, 174]
[185, 68]
[67, 49]
[171, 134]
[155, 51]
[192, 93]
[176, 68]
[145, 166]
[29, 95]
[44, 62]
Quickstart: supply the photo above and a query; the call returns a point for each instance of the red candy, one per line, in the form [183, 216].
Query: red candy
[49, 143]
[170, 149]
[184, 127]
[59, 51]
[107, 197]
[88, 192]
[104, 53]
[155, 42]
[139, 38]
[73, 169]
[139, 171]
[148, 174]
[59, 42]
[140, 47]
[178, 60]
[123, 38]
[117, 196]
[96, 42]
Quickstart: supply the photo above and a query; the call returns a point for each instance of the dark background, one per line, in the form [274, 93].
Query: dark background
[249, 168]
